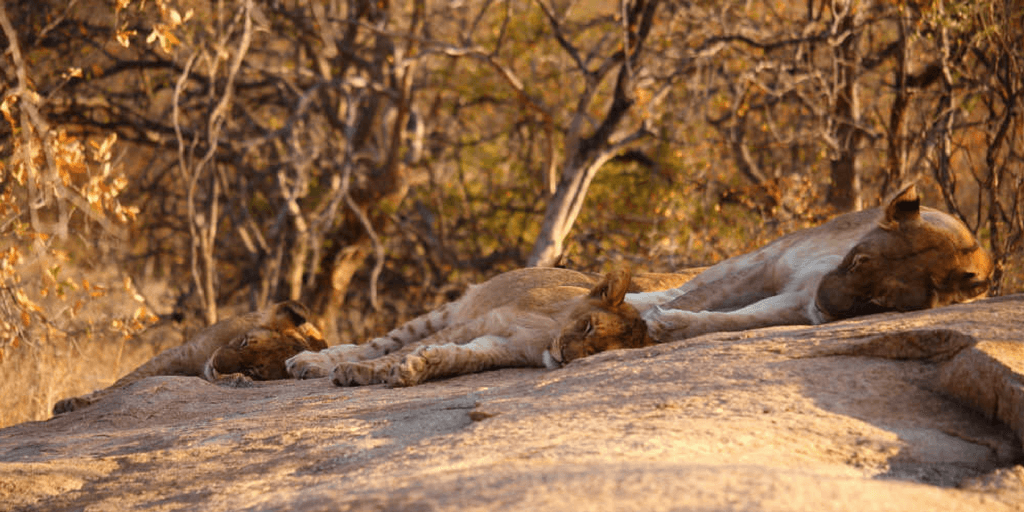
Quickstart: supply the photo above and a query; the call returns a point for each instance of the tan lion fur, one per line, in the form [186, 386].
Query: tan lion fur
[898, 257]
[507, 321]
[254, 345]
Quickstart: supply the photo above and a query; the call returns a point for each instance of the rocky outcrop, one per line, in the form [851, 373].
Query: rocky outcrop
[921, 411]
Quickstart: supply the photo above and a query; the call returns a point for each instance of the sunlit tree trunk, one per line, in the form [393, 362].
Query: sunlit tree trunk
[586, 156]
[563, 209]
[844, 193]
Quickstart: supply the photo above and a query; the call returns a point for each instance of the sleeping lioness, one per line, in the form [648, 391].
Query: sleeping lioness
[254, 345]
[898, 257]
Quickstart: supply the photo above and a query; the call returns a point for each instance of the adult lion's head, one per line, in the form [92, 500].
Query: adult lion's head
[916, 258]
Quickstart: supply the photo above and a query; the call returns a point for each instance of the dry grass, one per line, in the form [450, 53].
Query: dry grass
[84, 347]
[35, 377]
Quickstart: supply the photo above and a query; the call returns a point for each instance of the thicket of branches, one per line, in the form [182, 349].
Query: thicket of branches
[370, 157]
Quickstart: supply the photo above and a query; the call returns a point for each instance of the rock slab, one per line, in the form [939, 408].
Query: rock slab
[920, 411]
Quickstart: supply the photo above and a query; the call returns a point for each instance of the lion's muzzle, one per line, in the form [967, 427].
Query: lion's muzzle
[553, 358]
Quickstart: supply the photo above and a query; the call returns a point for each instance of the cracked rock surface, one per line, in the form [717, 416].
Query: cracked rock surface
[920, 411]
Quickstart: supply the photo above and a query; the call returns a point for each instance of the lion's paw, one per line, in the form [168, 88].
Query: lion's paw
[412, 369]
[234, 380]
[352, 374]
[667, 324]
[308, 365]
[70, 404]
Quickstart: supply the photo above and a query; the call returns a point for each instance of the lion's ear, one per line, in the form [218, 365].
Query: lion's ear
[612, 289]
[297, 343]
[293, 312]
[904, 206]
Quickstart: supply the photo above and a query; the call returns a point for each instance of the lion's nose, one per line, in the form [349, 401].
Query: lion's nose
[553, 356]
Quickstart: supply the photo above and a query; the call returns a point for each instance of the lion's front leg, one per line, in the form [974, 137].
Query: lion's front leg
[371, 371]
[312, 365]
[433, 361]
[667, 325]
[673, 324]
[362, 374]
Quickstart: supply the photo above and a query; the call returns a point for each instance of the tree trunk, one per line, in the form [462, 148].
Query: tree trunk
[347, 262]
[896, 157]
[563, 209]
[844, 194]
[584, 157]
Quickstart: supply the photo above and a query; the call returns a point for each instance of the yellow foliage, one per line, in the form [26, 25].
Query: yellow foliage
[123, 37]
[25, 303]
[164, 32]
[47, 167]
[5, 108]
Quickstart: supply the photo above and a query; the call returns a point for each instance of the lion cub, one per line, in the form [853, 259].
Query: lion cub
[509, 320]
[254, 344]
